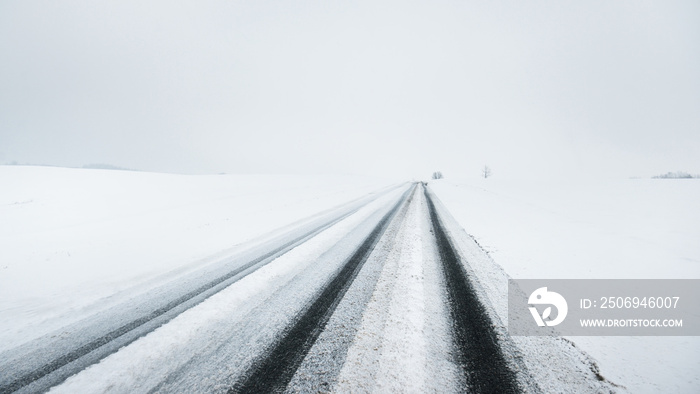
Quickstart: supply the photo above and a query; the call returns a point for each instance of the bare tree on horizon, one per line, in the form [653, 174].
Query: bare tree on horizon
[486, 172]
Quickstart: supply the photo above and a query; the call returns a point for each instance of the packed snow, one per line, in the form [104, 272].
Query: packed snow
[629, 228]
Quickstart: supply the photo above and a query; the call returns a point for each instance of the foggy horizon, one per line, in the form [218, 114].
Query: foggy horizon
[532, 90]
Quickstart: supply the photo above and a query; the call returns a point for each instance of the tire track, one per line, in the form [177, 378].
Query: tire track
[476, 343]
[320, 370]
[404, 341]
[275, 370]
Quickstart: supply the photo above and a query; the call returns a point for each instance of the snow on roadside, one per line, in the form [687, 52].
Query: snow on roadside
[71, 237]
[636, 228]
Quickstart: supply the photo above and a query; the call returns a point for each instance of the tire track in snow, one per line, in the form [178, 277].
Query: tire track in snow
[416, 341]
[478, 352]
[404, 342]
[322, 365]
[274, 371]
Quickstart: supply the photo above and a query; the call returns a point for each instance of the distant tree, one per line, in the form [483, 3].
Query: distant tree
[486, 172]
[437, 175]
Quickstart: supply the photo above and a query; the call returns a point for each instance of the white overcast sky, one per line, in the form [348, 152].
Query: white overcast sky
[531, 88]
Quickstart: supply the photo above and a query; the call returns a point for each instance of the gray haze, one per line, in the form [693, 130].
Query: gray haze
[531, 88]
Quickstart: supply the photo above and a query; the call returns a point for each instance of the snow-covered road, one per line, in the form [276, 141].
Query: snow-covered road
[377, 295]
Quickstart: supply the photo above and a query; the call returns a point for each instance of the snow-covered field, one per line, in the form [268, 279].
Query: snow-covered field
[72, 237]
[629, 228]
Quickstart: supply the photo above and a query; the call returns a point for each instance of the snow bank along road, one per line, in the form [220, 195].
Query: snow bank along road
[377, 295]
